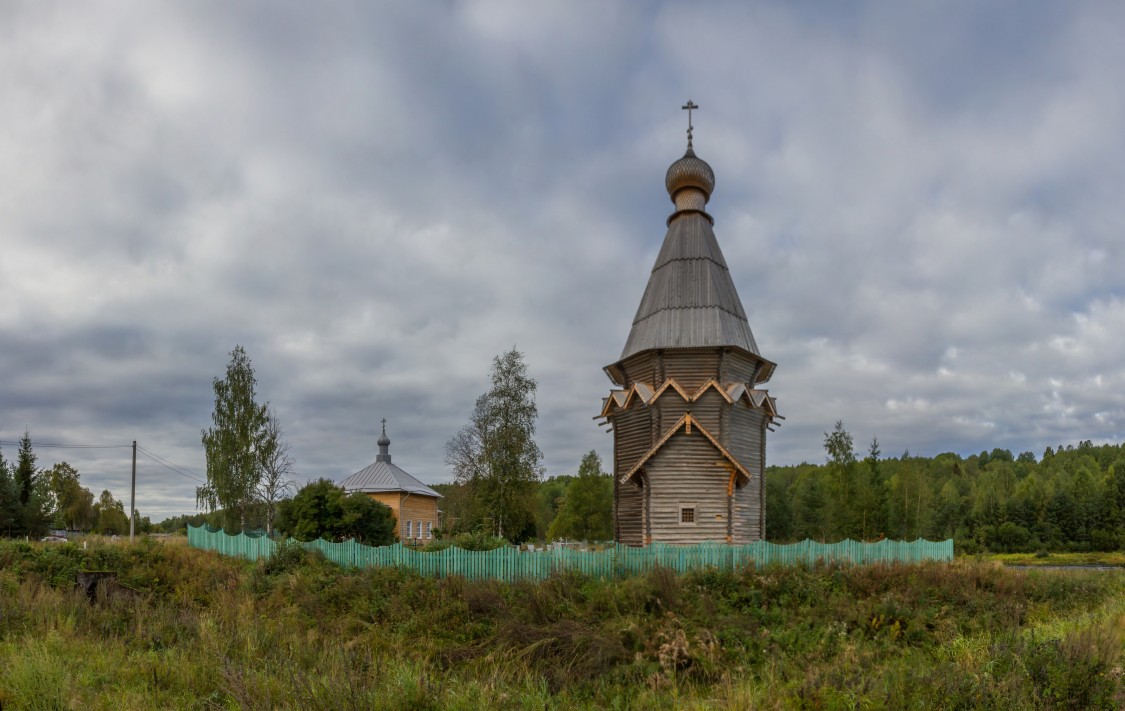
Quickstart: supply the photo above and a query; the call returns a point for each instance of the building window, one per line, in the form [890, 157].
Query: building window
[687, 514]
[429, 529]
[409, 530]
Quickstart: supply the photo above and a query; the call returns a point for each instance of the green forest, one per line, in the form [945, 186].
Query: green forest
[1072, 498]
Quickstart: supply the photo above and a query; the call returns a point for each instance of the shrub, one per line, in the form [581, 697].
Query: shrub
[967, 546]
[1103, 540]
[288, 556]
[1010, 537]
[478, 541]
[322, 510]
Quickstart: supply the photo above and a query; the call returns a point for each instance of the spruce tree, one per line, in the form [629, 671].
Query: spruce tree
[25, 469]
[873, 495]
[839, 445]
[9, 500]
[587, 509]
[34, 515]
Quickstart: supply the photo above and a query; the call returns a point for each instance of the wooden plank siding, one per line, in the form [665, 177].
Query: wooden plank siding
[686, 472]
[748, 447]
[737, 367]
[691, 368]
[647, 508]
[708, 410]
[632, 437]
[641, 368]
[746, 439]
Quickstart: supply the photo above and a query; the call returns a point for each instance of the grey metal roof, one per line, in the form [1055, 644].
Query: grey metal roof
[690, 300]
[382, 477]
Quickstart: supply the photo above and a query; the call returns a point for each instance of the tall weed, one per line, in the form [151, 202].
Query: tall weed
[221, 633]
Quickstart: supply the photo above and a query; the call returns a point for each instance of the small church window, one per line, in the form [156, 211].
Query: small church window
[409, 530]
[429, 529]
[687, 513]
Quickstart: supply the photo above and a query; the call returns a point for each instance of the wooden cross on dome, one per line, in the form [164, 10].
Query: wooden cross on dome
[689, 106]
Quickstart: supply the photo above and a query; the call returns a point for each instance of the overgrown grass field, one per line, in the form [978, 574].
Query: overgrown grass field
[192, 630]
[1111, 558]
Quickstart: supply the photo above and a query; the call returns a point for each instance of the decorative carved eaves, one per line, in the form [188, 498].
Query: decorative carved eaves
[643, 394]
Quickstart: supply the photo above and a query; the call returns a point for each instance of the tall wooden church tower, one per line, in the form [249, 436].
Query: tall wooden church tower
[689, 421]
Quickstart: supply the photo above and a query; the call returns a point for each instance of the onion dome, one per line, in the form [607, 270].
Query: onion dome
[690, 172]
[384, 443]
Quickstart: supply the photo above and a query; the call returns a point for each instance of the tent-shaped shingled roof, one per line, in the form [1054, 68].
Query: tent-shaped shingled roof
[690, 300]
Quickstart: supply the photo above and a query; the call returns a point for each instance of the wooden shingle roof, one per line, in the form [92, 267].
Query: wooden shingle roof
[690, 300]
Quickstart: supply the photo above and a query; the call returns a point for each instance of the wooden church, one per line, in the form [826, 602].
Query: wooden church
[689, 418]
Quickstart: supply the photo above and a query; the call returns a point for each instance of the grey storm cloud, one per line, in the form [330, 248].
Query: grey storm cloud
[920, 207]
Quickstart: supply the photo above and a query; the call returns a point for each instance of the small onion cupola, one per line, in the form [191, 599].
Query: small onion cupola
[690, 182]
[384, 443]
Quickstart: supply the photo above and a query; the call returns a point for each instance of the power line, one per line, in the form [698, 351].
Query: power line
[187, 473]
[166, 462]
[55, 445]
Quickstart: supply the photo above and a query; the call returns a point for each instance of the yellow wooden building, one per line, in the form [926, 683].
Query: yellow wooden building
[415, 505]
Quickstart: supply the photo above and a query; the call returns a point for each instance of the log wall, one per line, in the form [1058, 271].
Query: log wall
[691, 368]
[632, 437]
[748, 447]
[684, 472]
[708, 409]
[646, 509]
[737, 368]
[641, 368]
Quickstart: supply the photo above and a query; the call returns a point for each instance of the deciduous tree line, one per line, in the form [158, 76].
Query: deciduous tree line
[250, 474]
[1071, 498]
[34, 501]
[495, 461]
[497, 472]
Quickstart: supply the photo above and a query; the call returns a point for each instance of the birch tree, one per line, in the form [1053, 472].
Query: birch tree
[235, 442]
[495, 454]
[277, 469]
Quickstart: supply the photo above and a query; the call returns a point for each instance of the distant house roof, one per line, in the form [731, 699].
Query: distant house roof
[382, 476]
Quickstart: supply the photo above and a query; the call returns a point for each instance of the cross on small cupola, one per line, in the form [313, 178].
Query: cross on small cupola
[689, 107]
[384, 445]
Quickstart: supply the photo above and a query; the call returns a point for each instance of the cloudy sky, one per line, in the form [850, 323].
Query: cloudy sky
[922, 205]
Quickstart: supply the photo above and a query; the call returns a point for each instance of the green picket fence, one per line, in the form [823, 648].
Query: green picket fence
[615, 561]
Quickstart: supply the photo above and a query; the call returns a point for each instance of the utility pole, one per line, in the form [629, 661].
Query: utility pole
[133, 495]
